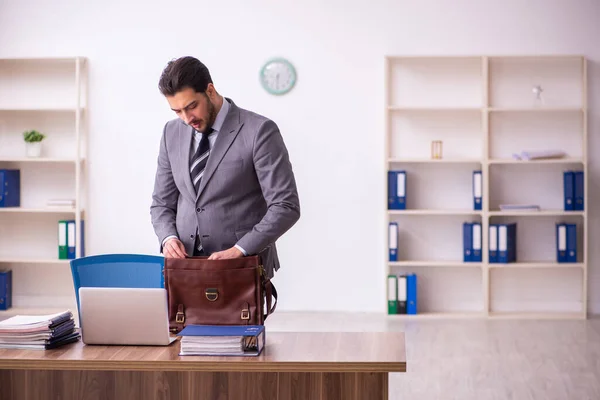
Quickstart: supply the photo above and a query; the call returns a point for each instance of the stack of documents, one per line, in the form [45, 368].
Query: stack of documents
[61, 203]
[519, 207]
[539, 155]
[222, 340]
[39, 332]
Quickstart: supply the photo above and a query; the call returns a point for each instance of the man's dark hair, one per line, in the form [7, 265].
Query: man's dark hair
[184, 72]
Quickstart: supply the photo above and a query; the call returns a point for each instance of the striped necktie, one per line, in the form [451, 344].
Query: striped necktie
[198, 162]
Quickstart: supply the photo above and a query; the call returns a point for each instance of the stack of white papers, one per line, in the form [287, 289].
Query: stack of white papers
[61, 203]
[38, 332]
[523, 207]
[539, 155]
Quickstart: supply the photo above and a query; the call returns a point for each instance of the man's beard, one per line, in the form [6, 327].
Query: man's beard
[212, 116]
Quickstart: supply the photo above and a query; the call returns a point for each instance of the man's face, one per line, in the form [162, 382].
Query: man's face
[194, 108]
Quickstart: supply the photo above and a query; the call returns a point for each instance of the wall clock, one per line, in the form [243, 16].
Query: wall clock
[278, 76]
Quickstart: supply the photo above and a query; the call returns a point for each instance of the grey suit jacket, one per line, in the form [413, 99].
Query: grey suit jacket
[247, 195]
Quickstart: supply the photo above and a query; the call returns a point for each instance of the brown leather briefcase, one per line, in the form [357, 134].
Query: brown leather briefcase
[217, 292]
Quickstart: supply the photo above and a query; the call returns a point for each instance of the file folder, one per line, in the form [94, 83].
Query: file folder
[10, 188]
[392, 294]
[71, 240]
[578, 191]
[411, 294]
[467, 241]
[62, 241]
[393, 241]
[397, 190]
[507, 243]
[477, 184]
[5, 289]
[476, 247]
[561, 242]
[493, 243]
[402, 294]
[569, 190]
[571, 243]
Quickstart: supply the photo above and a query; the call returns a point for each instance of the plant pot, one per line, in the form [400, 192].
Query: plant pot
[34, 149]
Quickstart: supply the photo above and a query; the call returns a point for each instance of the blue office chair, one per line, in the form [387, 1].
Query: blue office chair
[117, 270]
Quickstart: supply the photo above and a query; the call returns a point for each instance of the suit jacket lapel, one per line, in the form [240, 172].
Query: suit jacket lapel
[229, 130]
[185, 143]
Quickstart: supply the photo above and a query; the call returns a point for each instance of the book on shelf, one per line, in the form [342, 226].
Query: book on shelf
[5, 289]
[10, 188]
[38, 332]
[222, 340]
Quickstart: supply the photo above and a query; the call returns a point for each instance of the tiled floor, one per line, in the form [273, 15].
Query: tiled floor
[479, 359]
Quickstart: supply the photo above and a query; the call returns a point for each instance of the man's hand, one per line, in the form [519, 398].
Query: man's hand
[174, 249]
[225, 254]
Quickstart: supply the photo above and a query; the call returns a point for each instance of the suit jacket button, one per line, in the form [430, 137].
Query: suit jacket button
[198, 209]
[191, 236]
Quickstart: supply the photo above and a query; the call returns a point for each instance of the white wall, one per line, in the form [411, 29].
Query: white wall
[332, 122]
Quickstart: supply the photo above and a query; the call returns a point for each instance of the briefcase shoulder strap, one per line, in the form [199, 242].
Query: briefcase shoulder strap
[270, 293]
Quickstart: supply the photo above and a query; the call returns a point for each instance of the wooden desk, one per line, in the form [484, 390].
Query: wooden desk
[328, 365]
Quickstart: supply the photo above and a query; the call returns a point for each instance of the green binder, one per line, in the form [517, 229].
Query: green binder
[392, 294]
[62, 241]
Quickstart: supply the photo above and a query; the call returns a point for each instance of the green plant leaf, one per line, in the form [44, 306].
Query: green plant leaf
[33, 136]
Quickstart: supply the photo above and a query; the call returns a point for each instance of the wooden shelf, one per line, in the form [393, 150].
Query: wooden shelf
[41, 109]
[535, 109]
[481, 125]
[439, 315]
[17, 260]
[435, 109]
[537, 315]
[432, 264]
[48, 210]
[541, 213]
[436, 161]
[535, 264]
[434, 212]
[539, 161]
[40, 160]
[30, 311]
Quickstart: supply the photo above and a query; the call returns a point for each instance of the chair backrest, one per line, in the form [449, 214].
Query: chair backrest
[117, 270]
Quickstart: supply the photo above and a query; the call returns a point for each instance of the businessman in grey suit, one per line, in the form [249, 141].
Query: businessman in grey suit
[224, 184]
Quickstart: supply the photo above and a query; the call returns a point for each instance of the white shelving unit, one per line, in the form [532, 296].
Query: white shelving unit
[49, 95]
[483, 110]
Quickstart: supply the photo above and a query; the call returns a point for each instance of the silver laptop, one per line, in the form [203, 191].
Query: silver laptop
[124, 316]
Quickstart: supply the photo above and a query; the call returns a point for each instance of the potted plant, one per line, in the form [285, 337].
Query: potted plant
[33, 142]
